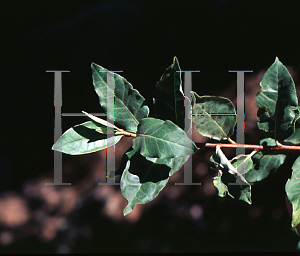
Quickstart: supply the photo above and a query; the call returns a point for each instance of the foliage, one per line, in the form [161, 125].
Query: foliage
[161, 145]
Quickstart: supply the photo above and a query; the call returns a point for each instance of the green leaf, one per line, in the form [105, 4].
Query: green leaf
[230, 177]
[99, 121]
[292, 188]
[295, 137]
[265, 163]
[130, 106]
[220, 186]
[242, 164]
[268, 142]
[275, 101]
[143, 178]
[213, 117]
[162, 139]
[83, 139]
[168, 99]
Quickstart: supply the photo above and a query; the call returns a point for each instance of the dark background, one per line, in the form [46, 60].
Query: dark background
[141, 38]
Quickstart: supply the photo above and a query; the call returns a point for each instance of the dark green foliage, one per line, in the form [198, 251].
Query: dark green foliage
[160, 146]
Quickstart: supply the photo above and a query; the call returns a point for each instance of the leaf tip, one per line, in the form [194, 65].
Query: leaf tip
[295, 222]
[57, 146]
[176, 64]
[128, 209]
[95, 67]
[277, 60]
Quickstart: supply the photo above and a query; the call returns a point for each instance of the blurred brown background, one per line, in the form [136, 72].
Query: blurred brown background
[141, 38]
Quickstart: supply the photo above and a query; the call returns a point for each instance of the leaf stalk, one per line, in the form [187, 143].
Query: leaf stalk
[125, 133]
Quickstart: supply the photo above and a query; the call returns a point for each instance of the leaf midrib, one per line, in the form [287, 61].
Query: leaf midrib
[157, 138]
[213, 119]
[136, 121]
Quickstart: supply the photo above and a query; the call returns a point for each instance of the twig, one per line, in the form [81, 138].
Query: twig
[249, 146]
[122, 132]
[231, 141]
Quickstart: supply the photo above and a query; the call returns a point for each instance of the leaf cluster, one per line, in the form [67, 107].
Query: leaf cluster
[160, 145]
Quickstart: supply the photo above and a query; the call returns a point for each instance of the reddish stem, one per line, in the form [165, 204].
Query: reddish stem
[255, 147]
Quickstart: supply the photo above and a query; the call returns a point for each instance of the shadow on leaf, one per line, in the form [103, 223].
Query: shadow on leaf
[147, 170]
[89, 134]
